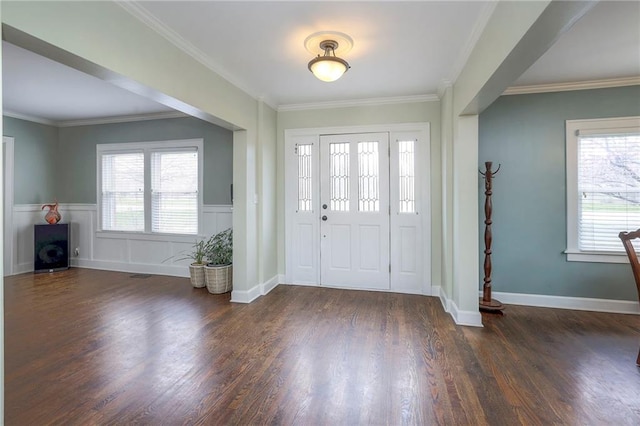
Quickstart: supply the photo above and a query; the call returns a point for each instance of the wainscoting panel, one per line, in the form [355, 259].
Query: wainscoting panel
[82, 219]
[216, 219]
[113, 250]
[127, 252]
[24, 217]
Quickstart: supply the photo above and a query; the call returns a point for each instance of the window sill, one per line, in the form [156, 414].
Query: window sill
[124, 235]
[596, 256]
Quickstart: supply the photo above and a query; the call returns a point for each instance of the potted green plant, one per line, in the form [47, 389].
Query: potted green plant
[218, 271]
[196, 268]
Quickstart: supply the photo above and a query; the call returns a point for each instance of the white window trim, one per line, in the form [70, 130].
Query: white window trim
[147, 147]
[573, 129]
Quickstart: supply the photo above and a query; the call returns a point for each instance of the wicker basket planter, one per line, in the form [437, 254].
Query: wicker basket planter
[196, 272]
[218, 278]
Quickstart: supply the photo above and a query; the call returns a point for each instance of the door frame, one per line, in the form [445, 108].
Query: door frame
[9, 246]
[311, 277]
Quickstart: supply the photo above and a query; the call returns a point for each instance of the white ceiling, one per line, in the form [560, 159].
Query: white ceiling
[604, 44]
[35, 86]
[400, 49]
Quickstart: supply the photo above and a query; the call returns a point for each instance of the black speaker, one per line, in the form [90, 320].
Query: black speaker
[51, 247]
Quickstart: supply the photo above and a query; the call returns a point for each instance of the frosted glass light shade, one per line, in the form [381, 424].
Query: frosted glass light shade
[328, 68]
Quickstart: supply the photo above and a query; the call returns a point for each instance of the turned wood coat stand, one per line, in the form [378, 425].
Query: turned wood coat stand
[486, 302]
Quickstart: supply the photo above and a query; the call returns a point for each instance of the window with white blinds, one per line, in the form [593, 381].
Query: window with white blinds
[174, 192]
[603, 185]
[151, 187]
[122, 195]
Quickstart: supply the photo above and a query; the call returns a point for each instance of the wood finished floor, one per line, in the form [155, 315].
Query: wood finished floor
[89, 347]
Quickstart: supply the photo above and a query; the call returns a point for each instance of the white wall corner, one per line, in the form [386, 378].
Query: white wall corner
[246, 296]
[438, 291]
[443, 86]
[564, 302]
[468, 318]
[269, 285]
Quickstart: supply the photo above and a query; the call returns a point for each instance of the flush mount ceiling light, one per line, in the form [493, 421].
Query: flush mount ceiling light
[328, 66]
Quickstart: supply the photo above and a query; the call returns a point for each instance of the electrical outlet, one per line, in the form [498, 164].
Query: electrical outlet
[76, 252]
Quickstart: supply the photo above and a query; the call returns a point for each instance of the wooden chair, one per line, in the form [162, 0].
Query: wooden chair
[626, 238]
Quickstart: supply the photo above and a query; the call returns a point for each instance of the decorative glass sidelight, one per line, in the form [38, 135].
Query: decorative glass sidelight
[339, 176]
[406, 178]
[305, 197]
[368, 177]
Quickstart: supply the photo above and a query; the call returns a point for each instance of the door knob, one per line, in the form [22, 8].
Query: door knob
[324, 206]
[324, 217]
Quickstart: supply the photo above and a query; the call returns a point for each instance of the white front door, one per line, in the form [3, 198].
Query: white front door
[354, 210]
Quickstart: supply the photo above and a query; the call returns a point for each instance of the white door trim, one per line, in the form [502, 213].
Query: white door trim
[9, 242]
[312, 136]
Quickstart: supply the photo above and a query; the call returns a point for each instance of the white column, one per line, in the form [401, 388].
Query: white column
[446, 114]
[245, 233]
[466, 251]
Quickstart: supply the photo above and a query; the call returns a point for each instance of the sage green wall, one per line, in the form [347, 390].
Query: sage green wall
[77, 160]
[36, 170]
[526, 134]
[411, 112]
[136, 57]
[60, 163]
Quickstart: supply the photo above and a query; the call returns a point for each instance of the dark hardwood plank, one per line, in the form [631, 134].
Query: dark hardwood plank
[96, 347]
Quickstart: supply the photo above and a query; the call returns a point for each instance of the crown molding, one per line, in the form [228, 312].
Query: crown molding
[443, 86]
[29, 118]
[359, 102]
[122, 119]
[96, 121]
[578, 85]
[148, 19]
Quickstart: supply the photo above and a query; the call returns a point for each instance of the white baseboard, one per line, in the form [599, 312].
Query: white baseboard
[174, 271]
[248, 296]
[245, 296]
[270, 284]
[138, 268]
[438, 292]
[468, 318]
[22, 268]
[303, 284]
[564, 302]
